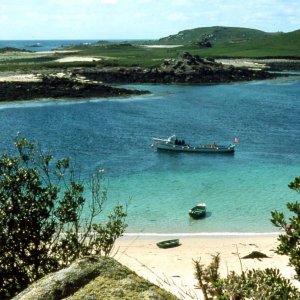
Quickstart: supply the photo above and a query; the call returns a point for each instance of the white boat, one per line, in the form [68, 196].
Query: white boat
[172, 143]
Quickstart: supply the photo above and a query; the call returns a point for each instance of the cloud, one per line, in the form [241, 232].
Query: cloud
[177, 16]
[109, 1]
[140, 18]
[181, 2]
[70, 3]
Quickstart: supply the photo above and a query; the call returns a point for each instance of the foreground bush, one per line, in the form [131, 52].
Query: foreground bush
[289, 241]
[41, 217]
[265, 284]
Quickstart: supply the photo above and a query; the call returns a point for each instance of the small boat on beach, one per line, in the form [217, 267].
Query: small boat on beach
[198, 211]
[168, 243]
[172, 143]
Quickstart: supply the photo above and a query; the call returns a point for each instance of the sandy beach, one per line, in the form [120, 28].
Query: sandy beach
[77, 59]
[173, 270]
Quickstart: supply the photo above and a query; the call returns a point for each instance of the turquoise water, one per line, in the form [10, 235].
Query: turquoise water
[240, 190]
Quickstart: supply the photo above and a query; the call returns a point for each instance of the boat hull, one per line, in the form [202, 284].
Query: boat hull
[196, 215]
[198, 212]
[176, 148]
[168, 244]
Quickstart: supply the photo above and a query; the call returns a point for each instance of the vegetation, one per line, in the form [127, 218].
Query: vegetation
[127, 54]
[43, 227]
[214, 42]
[11, 49]
[258, 284]
[265, 284]
[228, 42]
[289, 242]
[276, 46]
[217, 35]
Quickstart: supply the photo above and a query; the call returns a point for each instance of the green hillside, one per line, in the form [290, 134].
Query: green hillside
[216, 35]
[228, 42]
[283, 45]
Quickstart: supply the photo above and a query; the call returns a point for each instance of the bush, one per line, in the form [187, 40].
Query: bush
[289, 241]
[265, 284]
[41, 217]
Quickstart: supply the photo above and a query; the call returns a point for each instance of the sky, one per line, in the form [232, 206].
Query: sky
[139, 19]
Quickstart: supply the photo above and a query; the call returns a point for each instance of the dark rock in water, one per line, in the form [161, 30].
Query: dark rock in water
[186, 68]
[256, 254]
[94, 277]
[54, 87]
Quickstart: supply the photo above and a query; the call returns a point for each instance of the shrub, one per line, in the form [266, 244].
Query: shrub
[289, 241]
[265, 284]
[41, 217]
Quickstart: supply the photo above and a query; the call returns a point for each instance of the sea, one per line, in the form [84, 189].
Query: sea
[48, 45]
[159, 188]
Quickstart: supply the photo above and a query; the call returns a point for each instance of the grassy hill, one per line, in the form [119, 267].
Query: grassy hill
[285, 45]
[237, 42]
[226, 42]
[216, 35]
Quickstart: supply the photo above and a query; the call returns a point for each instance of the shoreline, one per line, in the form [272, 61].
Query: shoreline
[173, 270]
[58, 86]
[157, 235]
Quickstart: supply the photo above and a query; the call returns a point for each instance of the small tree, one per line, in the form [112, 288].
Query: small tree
[289, 241]
[42, 225]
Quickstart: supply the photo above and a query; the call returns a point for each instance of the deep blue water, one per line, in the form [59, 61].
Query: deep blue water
[240, 190]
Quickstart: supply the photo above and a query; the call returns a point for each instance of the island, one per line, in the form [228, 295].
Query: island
[212, 55]
[56, 87]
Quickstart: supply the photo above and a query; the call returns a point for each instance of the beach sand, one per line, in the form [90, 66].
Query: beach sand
[77, 59]
[173, 270]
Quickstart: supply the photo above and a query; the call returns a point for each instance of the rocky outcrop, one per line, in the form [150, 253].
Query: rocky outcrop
[94, 82]
[55, 87]
[94, 277]
[186, 68]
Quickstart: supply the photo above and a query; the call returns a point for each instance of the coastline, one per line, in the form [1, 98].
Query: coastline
[173, 270]
[154, 235]
[58, 86]
[98, 81]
